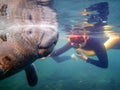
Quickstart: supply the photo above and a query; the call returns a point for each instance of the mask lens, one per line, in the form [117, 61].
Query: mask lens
[77, 39]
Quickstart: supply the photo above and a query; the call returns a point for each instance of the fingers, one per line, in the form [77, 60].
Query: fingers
[81, 55]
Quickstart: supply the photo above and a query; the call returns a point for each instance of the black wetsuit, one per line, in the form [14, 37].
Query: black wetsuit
[92, 44]
[100, 51]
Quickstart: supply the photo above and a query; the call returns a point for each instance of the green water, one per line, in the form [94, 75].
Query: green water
[73, 74]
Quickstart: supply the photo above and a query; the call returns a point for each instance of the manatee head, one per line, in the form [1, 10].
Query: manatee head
[39, 39]
[30, 32]
[22, 47]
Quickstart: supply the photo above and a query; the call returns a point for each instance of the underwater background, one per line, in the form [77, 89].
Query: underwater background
[73, 74]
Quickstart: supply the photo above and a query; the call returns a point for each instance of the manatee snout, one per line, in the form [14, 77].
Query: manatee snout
[49, 40]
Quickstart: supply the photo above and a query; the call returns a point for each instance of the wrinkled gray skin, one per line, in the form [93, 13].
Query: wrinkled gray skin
[27, 38]
[24, 47]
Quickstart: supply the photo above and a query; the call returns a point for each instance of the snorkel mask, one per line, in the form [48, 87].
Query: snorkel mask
[76, 39]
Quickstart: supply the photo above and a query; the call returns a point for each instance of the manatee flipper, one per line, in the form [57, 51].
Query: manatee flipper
[31, 75]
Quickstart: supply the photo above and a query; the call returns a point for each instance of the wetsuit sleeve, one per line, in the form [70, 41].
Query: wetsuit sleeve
[101, 55]
[55, 54]
[61, 50]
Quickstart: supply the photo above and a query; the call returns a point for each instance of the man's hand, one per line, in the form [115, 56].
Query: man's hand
[81, 55]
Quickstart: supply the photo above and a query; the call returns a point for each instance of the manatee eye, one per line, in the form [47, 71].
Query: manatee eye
[29, 33]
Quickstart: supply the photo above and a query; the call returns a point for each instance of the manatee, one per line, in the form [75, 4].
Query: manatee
[28, 35]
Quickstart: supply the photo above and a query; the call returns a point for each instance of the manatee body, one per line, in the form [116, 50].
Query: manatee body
[26, 40]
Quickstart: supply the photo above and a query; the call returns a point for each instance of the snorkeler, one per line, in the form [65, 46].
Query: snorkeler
[89, 41]
[85, 42]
